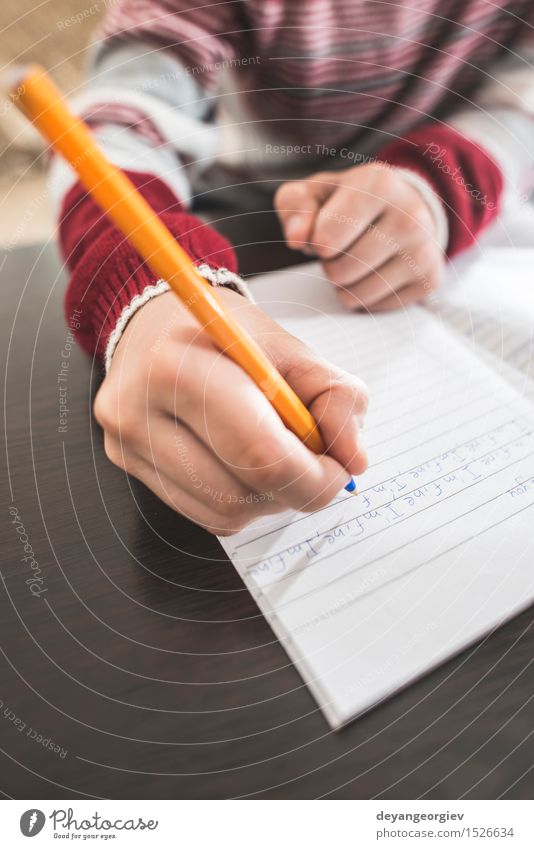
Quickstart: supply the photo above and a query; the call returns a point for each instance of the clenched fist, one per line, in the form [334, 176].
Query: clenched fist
[374, 232]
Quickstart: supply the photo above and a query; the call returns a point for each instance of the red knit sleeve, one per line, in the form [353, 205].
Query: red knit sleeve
[465, 177]
[106, 272]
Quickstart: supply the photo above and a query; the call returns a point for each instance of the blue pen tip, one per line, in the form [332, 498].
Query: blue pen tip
[351, 486]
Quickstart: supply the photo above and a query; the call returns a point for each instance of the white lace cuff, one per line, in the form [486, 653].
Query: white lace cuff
[215, 276]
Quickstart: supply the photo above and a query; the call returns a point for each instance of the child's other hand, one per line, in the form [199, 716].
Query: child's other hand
[373, 232]
[190, 424]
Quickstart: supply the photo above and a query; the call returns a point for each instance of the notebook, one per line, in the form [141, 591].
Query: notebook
[490, 301]
[371, 592]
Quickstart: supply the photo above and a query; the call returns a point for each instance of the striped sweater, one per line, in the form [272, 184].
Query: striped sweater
[196, 97]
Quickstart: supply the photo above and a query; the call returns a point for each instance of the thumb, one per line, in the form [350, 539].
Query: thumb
[297, 204]
[336, 399]
[338, 403]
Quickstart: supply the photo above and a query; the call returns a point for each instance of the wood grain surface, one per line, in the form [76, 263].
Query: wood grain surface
[146, 664]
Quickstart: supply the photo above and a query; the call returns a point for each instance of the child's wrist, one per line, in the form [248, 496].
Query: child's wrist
[217, 277]
[432, 200]
[466, 179]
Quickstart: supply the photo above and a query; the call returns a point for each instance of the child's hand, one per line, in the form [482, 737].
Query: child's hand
[373, 231]
[190, 424]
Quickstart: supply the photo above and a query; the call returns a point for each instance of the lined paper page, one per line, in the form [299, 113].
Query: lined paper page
[490, 300]
[370, 592]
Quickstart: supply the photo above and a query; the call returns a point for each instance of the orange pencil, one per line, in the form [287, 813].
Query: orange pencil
[39, 99]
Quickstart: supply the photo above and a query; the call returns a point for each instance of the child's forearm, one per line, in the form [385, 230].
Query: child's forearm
[148, 114]
[503, 120]
[108, 280]
[462, 174]
[151, 119]
[481, 153]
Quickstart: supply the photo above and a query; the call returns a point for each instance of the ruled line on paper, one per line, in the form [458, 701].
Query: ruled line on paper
[400, 573]
[257, 570]
[462, 507]
[362, 492]
[417, 426]
[441, 553]
[490, 316]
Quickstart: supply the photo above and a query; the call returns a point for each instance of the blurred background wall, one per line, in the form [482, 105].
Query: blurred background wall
[55, 33]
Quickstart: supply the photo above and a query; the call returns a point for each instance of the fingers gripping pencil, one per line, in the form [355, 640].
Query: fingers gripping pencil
[38, 98]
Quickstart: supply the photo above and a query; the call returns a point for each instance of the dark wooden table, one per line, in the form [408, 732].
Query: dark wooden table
[140, 656]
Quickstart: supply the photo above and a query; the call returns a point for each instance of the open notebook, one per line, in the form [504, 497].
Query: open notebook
[436, 550]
